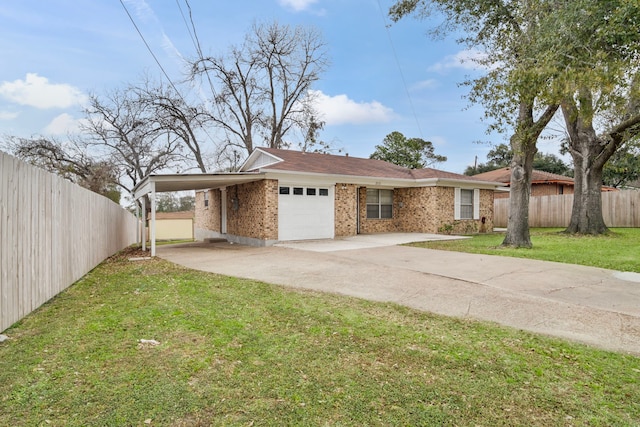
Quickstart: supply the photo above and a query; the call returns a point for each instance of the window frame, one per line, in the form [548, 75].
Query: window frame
[379, 203]
[475, 204]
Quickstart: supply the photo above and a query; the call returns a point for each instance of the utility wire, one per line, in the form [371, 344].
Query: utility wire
[162, 68]
[149, 49]
[404, 82]
[193, 33]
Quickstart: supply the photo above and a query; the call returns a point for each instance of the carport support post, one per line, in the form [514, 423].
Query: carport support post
[143, 231]
[152, 237]
[138, 225]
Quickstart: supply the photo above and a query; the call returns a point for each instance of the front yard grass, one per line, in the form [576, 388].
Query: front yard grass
[618, 250]
[245, 353]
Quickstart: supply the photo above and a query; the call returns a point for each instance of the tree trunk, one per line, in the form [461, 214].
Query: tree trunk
[589, 153]
[586, 213]
[523, 145]
[520, 190]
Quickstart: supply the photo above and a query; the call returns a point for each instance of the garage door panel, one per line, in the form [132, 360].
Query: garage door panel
[303, 217]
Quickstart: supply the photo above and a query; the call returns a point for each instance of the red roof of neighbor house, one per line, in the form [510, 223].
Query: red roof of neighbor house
[503, 175]
[298, 161]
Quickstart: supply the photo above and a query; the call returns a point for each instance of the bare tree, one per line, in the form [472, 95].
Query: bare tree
[258, 87]
[175, 117]
[124, 128]
[69, 160]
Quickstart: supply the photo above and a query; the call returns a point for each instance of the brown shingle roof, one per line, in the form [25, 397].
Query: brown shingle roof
[503, 175]
[297, 161]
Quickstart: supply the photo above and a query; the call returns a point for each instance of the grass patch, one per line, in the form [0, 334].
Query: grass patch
[240, 352]
[617, 250]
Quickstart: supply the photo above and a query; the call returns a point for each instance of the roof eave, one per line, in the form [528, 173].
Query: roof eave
[185, 182]
[385, 181]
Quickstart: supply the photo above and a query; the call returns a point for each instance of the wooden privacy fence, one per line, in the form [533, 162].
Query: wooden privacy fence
[52, 232]
[619, 208]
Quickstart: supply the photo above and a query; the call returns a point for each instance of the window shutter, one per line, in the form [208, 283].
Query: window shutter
[476, 204]
[456, 204]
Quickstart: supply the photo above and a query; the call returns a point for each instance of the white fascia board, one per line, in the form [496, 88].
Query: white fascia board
[326, 179]
[257, 152]
[457, 183]
[142, 188]
[185, 182]
[376, 182]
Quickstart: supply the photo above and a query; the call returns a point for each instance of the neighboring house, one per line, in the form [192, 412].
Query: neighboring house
[542, 183]
[175, 225]
[281, 195]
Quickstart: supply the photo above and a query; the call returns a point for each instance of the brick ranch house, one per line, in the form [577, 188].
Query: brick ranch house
[284, 195]
[542, 183]
[299, 196]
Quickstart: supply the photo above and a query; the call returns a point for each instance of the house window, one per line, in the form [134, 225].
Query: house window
[206, 199]
[323, 192]
[284, 190]
[298, 191]
[467, 204]
[311, 191]
[379, 203]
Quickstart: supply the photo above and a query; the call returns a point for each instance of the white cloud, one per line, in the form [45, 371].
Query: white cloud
[425, 84]
[465, 59]
[63, 124]
[36, 91]
[339, 109]
[297, 5]
[8, 115]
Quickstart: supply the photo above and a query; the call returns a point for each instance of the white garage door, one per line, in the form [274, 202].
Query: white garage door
[305, 212]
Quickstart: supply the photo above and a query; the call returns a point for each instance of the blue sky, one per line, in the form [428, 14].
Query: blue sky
[55, 52]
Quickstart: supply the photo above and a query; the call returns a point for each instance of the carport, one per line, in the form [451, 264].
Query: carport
[149, 186]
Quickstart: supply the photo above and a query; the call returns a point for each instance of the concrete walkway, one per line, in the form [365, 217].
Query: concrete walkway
[591, 305]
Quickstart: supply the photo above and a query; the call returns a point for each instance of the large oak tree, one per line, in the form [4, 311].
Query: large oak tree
[512, 90]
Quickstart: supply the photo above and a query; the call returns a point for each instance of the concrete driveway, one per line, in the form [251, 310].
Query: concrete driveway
[591, 305]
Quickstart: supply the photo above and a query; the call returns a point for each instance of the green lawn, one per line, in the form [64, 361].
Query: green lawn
[240, 352]
[618, 250]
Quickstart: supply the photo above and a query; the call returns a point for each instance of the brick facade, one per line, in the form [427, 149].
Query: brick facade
[345, 216]
[208, 217]
[549, 189]
[427, 210]
[252, 210]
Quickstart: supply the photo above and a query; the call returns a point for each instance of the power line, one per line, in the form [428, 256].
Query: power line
[404, 82]
[193, 33]
[178, 93]
[149, 49]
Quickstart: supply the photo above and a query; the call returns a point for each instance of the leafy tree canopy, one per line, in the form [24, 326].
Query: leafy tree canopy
[173, 202]
[500, 157]
[412, 153]
[624, 166]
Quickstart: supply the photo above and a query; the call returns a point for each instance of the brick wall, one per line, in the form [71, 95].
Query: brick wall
[542, 190]
[252, 210]
[345, 210]
[375, 225]
[550, 189]
[426, 210]
[208, 218]
[416, 208]
[445, 214]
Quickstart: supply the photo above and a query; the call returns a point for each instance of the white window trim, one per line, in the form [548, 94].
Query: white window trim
[380, 204]
[476, 204]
